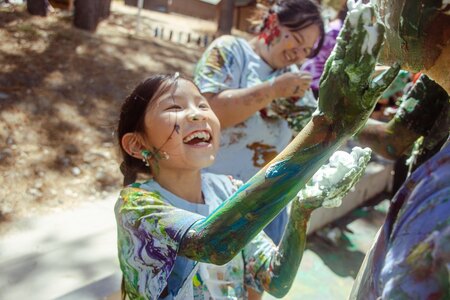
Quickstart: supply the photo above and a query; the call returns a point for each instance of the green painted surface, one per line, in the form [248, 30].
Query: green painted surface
[327, 271]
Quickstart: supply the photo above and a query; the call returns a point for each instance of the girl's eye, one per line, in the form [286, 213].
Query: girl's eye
[174, 107]
[203, 105]
[297, 39]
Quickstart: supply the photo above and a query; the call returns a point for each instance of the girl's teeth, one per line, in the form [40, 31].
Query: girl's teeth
[201, 135]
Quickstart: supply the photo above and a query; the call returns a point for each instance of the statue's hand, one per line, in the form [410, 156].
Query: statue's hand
[347, 93]
[333, 181]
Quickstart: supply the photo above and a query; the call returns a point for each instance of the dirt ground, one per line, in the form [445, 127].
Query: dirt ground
[60, 92]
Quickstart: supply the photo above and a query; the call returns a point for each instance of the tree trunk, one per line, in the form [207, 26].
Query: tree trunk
[88, 13]
[105, 9]
[226, 16]
[37, 7]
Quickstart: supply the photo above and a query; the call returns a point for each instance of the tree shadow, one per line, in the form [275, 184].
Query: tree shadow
[12, 14]
[61, 89]
[72, 77]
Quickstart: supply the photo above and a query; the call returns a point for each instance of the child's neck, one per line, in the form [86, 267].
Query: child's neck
[260, 48]
[186, 184]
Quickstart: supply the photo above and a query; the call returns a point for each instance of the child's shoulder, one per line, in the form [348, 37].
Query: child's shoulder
[230, 43]
[222, 182]
[227, 40]
[136, 193]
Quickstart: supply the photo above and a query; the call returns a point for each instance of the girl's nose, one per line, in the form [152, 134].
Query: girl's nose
[196, 116]
[298, 54]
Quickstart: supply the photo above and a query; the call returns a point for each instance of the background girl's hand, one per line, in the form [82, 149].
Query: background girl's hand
[347, 94]
[291, 84]
[334, 180]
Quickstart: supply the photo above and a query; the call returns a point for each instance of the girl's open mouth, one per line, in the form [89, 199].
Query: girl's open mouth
[199, 138]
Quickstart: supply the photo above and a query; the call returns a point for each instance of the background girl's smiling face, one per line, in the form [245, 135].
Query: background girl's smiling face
[182, 124]
[293, 47]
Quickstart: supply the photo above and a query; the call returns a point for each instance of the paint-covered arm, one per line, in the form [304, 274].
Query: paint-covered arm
[326, 189]
[347, 99]
[424, 108]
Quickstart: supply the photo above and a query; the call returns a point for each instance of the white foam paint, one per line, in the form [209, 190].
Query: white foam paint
[333, 180]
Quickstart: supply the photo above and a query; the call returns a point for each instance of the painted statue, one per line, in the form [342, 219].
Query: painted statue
[410, 258]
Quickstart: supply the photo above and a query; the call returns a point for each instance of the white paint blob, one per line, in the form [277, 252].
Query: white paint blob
[333, 180]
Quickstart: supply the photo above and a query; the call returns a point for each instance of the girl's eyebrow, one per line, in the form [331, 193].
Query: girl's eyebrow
[165, 100]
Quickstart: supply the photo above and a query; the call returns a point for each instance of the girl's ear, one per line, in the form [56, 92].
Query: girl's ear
[133, 145]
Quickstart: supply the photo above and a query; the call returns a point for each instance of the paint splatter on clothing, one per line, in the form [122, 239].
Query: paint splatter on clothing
[151, 223]
[230, 63]
[411, 256]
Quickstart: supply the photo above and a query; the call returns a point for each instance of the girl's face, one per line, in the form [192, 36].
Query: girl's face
[181, 123]
[291, 47]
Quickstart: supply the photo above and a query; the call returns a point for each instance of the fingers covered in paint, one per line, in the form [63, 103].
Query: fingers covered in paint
[381, 82]
[347, 94]
[280, 270]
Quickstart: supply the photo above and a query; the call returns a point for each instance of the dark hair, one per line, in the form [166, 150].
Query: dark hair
[132, 116]
[295, 15]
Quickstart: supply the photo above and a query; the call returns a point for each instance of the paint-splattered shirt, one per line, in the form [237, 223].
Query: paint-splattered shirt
[151, 224]
[411, 256]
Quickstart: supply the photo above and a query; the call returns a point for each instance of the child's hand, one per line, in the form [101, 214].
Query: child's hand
[333, 181]
[291, 84]
[347, 94]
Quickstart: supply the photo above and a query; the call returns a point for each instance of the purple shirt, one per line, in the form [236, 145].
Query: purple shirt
[411, 256]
